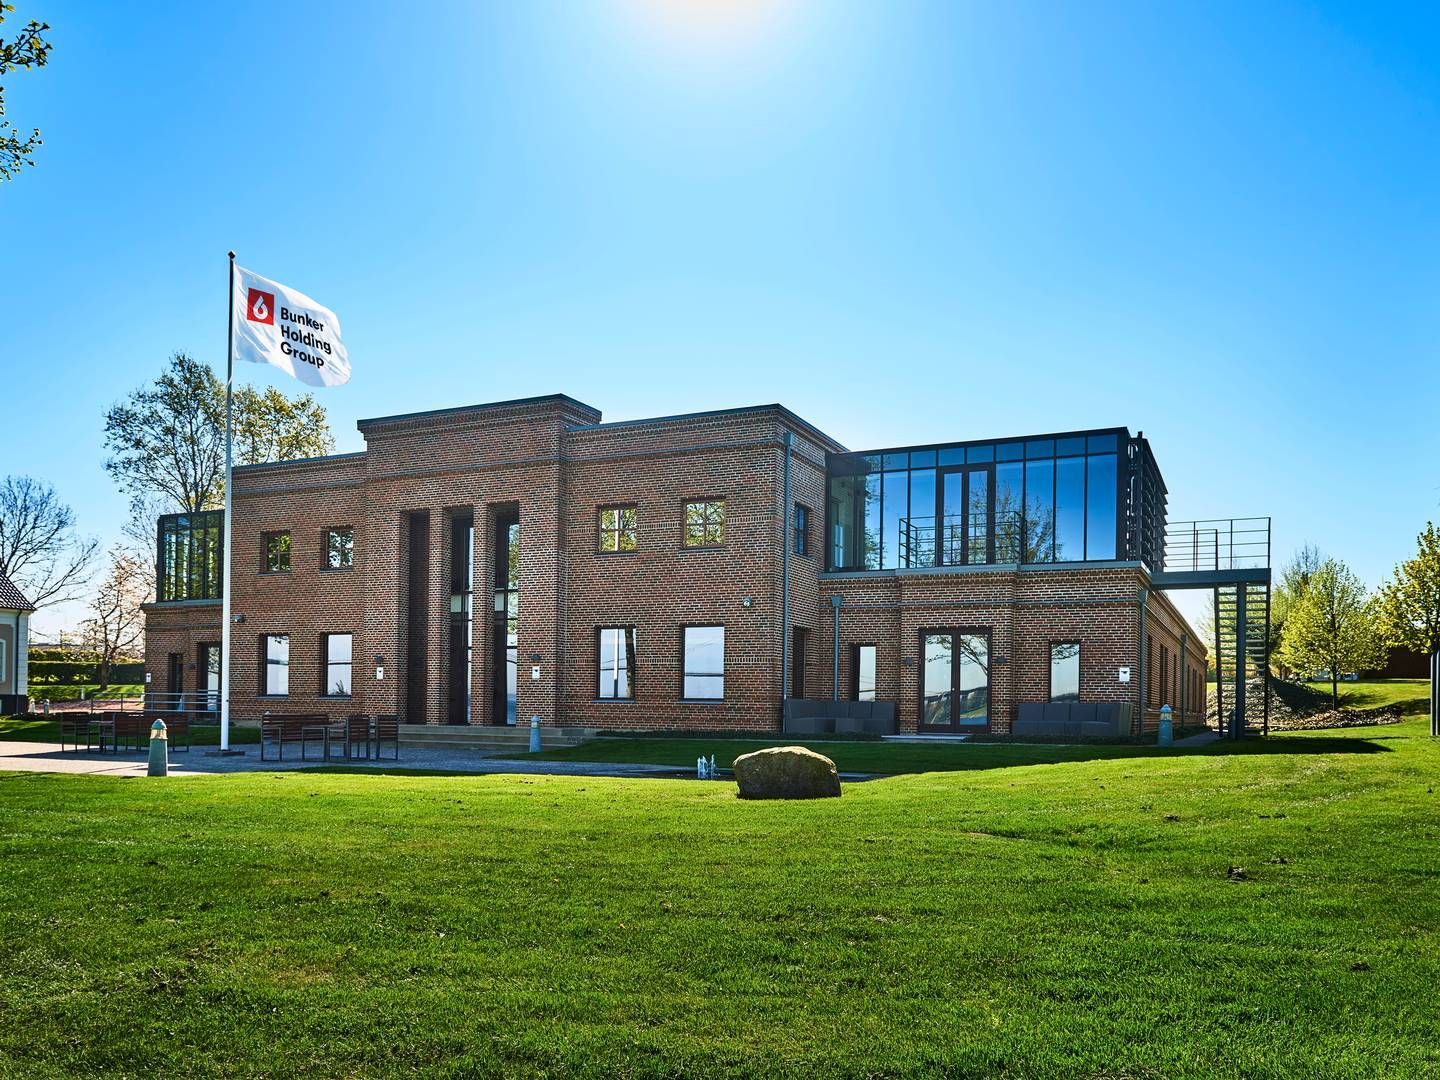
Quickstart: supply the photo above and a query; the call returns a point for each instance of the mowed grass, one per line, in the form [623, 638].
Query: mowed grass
[72, 691]
[1410, 696]
[43, 729]
[1080, 918]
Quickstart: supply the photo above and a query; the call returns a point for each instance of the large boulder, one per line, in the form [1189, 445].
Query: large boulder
[786, 772]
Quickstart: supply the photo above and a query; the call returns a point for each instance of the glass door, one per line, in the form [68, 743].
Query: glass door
[965, 536]
[209, 677]
[954, 681]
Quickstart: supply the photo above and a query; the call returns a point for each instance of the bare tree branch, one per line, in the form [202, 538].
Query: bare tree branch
[39, 549]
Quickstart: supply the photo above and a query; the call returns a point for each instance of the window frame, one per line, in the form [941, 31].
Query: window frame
[326, 664]
[1050, 670]
[628, 632]
[855, 647]
[4, 671]
[707, 525]
[266, 662]
[326, 534]
[265, 538]
[800, 530]
[686, 673]
[601, 531]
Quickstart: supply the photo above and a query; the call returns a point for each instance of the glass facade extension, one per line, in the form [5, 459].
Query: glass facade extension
[1037, 500]
[189, 552]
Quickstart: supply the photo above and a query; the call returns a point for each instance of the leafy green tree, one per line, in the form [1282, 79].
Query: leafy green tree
[1331, 627]
[167, 439]
[1408, 604]
[1290, 586]
[27, 50]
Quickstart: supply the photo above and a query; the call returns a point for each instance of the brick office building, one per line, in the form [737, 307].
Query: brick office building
[479, 564]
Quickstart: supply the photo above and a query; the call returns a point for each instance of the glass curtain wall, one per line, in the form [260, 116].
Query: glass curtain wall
[189, 550]
[1024, 501]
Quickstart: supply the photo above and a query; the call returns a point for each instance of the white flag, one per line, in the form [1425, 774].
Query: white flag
[278, 326]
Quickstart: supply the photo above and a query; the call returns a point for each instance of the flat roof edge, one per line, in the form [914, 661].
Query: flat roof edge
[707, 414]
[456, 410]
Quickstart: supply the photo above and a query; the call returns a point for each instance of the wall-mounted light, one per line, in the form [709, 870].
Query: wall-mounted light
[237, 618]
[745, 601]
[379, 660]
[534, 657]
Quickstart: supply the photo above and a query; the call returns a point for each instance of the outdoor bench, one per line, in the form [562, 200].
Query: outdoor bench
[294, 727]
[824, 716]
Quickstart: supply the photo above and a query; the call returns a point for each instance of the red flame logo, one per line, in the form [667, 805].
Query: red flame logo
[260, 307]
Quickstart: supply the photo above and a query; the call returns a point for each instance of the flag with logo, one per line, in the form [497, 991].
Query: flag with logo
[278, 326]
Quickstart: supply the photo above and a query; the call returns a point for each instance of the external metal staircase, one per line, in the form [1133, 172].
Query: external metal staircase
[1230, 557]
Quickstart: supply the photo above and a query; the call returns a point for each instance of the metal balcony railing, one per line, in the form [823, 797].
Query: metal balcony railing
[1218, 544]
[931, 541]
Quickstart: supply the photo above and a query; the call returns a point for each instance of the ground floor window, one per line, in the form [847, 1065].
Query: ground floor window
[616, 663]
[703, 663]
[862, 672]
[338, 648]
[1065, 671]
[277, 664]
[954, 680]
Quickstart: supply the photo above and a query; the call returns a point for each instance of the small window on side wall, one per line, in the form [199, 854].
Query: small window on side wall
[705, 523]
[4, 671]
[703, 663]
[616, 663]
[338, 649]
[616, 529]
[277, 552]
[340, 548]
[802, 529]
[1065, 671]
[276, 651]
[862, 672]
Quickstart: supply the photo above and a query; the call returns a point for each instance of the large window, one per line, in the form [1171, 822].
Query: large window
[703, 663]
[1022, 501]
[616, 663]
[340, 548]
[705, 523]
[1065, 671]
[277, 552]
[862, 672]
[189, 555]
[337, 648]
[275, 649]
[616, 529]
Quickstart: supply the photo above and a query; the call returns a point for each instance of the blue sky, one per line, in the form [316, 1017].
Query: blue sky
[1217, 222]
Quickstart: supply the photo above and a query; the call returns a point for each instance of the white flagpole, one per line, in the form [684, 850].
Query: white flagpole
[225, 575]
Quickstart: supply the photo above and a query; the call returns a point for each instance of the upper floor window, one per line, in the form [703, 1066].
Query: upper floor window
[189, 556]
[340, 548]
[616, 663]
[703, 663]
[337, 648]
[277, 552]
[616, 528]
[1065, 671]
[705, 523]
[801, 525]
[276, 673]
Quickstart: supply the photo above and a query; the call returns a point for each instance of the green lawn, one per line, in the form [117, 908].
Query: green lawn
[73, 691]
[1411, 696]
[21, 729]
[1080, 918]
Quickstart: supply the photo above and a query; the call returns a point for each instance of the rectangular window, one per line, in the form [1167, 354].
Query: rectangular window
[1100, 513]
[340, 548]
[616, 529]
[862, 672]
[277, 552]
[2, 661]
[703, 663]
[337, 648]
[705, 523]
[1065, 671]
[801, 526]
[616, 663]
[276, 648]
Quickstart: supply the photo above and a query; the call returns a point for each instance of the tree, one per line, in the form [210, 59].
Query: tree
[1294, 579]
[168, 439]
[1408, 607]
[28, 50]
[116, 624]
[39, 549]
[1331, 627]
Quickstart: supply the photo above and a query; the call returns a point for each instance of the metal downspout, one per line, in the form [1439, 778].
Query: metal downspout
[1144, 597]
[788, 442]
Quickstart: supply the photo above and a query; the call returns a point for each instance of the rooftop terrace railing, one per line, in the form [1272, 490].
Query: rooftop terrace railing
[1217, 544]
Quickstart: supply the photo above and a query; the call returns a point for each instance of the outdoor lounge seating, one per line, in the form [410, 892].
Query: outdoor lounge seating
[824, 716]
[387, 730]
[357, 733]
[302, 728]
[77, 726]
[1074, 720]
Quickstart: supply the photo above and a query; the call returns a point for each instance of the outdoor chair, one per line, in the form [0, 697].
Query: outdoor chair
[357, 734]
[74, 726]
[128, 730]
[387, 730]
[296, 727]
[177, 728]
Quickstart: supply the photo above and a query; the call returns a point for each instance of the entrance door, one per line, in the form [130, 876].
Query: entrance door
[954, 681]
[965, 514]
[208, 669]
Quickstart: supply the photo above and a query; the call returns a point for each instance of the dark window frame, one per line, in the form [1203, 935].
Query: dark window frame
[706, 525]
[684, 673]
[326, 665]
[325, 535]
[628, 629]
[855, 647]
[265, 538]
[1050, 667]
[954, 631]
[618, 531]
[800, 530]
[265, 663]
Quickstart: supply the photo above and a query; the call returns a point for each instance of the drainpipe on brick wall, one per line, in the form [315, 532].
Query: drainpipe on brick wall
[789, 442]
[1144, 699]
[835, 601]
[1184, 647]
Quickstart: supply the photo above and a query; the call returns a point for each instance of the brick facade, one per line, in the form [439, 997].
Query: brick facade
[551, 460]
